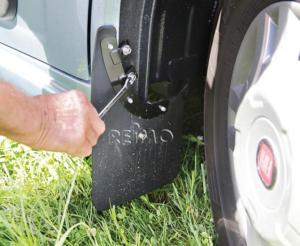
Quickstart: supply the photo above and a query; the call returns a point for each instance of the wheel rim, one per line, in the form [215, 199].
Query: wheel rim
[264, 127]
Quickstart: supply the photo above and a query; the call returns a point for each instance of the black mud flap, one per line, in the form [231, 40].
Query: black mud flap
[135, 156]
[140, 151]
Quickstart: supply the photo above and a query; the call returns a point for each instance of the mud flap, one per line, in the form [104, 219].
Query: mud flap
[137, 154]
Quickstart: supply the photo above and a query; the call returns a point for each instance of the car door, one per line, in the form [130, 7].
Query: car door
[46, 38]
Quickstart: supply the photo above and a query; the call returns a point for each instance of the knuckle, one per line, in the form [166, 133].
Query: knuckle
[93, 138]
[94, 142]
[73, 152]
[93, 111]
[102, 127]
[81, 151]
[87, 152]
[79, 135]
[73, 92]
[80, 95]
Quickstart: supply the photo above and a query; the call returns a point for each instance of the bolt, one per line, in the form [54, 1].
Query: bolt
[142, 136]
[110, 46]
[129, 100]
[162, 108]
[126, 50]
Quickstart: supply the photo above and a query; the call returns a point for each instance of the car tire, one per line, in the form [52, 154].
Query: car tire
[235, 225]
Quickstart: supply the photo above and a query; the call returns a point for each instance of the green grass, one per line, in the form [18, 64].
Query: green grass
[45, 199]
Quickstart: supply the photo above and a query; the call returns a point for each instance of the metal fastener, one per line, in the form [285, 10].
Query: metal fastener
[162, 108]
[110, 46]
[142, 136]
[130, 80]
[129, 100]
[126, 50]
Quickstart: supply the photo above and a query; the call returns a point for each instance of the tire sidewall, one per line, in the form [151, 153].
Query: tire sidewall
[237, 17]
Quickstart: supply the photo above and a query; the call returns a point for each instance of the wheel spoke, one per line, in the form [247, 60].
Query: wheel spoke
[265, 46]
[246, 226]
[237, 94]
[288, 38]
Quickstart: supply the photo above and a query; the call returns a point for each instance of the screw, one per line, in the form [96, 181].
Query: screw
[142, 136]
[129, 100]
[110, 46]
[162, 108]
[126, 50]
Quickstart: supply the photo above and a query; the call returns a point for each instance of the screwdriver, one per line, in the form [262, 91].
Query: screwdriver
[130, 80]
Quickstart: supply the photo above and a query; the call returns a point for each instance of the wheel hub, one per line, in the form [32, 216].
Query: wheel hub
[266, 164]
[263, 111]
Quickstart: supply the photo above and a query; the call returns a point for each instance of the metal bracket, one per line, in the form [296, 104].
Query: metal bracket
[113, 56]
[112, 59]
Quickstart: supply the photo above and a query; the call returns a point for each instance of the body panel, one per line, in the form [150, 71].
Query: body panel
[104, 13]
[55, 32]
[25, 51]
[35, 77]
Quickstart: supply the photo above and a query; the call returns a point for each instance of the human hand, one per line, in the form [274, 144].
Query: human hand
[69, 124]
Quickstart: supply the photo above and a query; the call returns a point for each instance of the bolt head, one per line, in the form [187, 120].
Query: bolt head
[162, 108]
[110, 46]
[129, 100]
[142, 136]
[126, 50]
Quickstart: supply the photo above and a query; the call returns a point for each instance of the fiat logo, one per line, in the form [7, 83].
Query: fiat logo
[266, 164]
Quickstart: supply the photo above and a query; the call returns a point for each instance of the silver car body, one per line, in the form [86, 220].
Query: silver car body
[41, 54]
